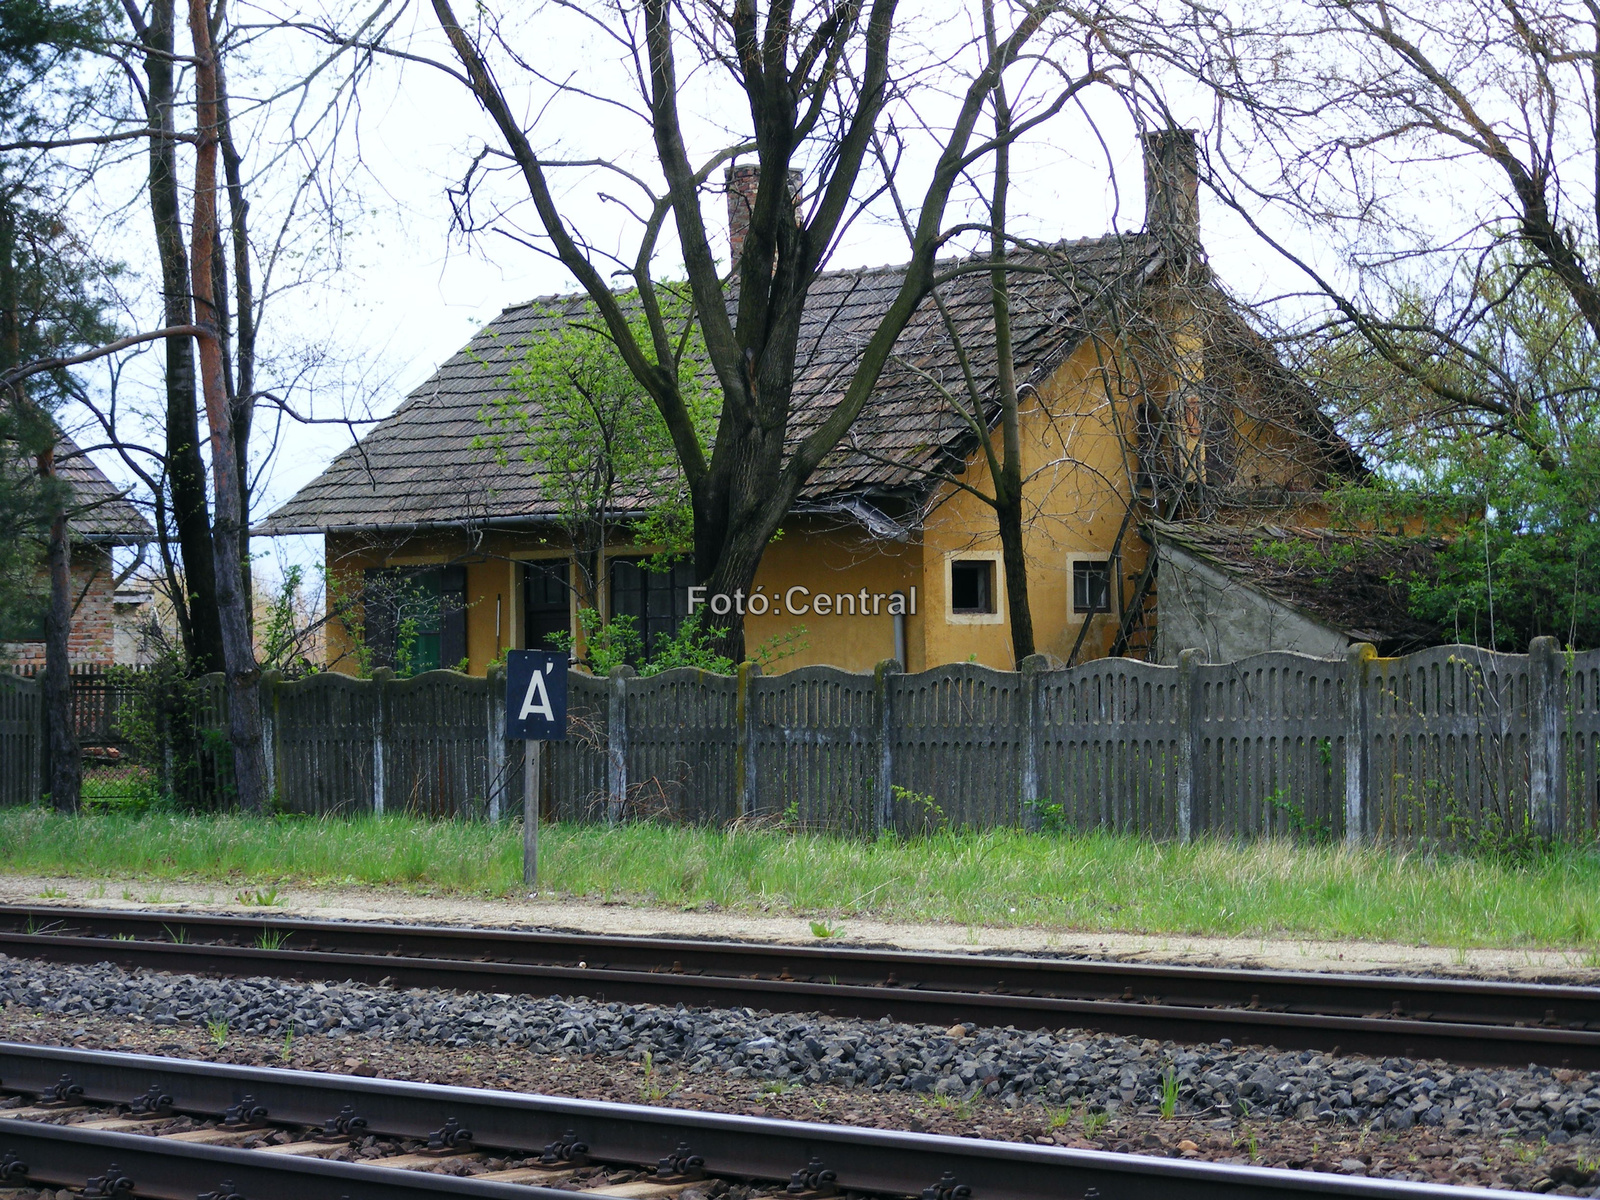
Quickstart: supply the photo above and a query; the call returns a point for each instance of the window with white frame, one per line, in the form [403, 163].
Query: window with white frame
[1091, 585]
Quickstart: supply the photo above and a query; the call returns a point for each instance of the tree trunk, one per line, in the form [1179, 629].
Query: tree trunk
[65, 778]
[196, 601]
[1008, 514]
[1008, 479]
[238, 649]
[748, 487]
[243, 377]
[66, 762]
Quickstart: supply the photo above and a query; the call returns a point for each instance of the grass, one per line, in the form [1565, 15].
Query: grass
[1169, 1094]
[1096, 882]
[652, 1088]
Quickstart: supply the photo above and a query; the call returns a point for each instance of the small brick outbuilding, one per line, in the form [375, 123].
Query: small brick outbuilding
[102, 519]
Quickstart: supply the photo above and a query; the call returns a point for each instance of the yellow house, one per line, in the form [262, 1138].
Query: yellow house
[1147, 397]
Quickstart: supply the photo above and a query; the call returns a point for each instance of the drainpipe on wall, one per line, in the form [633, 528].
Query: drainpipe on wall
[899, 620]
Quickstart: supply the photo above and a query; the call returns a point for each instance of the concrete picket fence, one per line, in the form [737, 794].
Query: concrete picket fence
[1426, 747]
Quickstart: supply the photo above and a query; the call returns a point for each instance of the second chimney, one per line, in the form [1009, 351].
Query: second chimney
[1172, 187]
[742, 180]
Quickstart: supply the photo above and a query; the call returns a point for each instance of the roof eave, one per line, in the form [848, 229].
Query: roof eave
[270, 528]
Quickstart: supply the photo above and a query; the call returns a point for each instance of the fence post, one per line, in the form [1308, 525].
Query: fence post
[1188, 716]
[380, 722]
[744, 717]
[1032, 739]
[1357, 753]
[883, 809]
[1544, 734]
[269, 732]
[495, 734]
[617, 741]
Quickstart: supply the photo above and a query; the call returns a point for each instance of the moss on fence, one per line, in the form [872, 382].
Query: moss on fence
[1000, 877]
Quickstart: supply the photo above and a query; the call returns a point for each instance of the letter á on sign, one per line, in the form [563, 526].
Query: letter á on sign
[536, 703]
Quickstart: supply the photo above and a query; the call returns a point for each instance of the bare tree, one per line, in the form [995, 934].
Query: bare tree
[1440, 158]
[816, 86]
[229, 526]
[204, 559]
[49, 302]
[992, 409]
[184, 491]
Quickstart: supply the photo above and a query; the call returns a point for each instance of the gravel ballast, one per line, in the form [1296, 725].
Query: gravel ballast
[1534, 1128]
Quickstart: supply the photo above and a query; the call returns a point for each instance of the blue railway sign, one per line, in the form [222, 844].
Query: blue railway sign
[536, 695]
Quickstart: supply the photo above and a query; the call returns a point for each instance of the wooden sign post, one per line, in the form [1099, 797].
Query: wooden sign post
[536, 712]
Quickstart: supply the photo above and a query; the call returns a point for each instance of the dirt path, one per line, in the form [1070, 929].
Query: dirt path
[395, 904]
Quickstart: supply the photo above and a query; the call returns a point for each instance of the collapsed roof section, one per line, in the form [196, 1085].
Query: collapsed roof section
[1353, 582]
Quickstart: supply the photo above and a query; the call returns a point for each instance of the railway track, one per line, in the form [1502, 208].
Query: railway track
[127, 1125]
[1464, 1021]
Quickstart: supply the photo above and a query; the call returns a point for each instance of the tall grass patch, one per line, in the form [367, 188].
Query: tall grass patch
[1088, 882]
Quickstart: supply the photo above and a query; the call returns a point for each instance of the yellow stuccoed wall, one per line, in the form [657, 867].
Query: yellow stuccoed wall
[1080, 476]
[835, 559]
[494, 583]
[1080, 465]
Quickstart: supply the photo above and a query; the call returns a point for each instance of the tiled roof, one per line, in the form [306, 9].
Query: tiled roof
[419, 467]
[100, 512]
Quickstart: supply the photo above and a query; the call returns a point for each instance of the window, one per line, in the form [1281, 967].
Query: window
[546, 603]
[972, 585]
[658, 601]
[1091, 585]
[415, 617]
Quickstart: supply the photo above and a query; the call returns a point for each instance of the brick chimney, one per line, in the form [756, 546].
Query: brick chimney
[1172, 187]
[742, 181]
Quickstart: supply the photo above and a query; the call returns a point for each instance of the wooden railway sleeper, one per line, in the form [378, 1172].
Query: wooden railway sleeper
[40, 1112]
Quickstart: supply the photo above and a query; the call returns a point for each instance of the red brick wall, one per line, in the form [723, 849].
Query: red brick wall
[93, 638]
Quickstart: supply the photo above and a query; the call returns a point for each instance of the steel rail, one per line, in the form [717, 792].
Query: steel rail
[1481, 1002]
[1386, 1037]
[1466, 1042]
[863, 1160]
